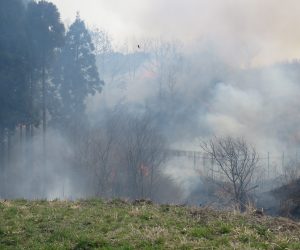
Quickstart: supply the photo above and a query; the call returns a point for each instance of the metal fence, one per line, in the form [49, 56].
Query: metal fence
[272, 168]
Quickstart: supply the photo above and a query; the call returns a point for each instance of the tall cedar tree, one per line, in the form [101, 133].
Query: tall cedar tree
[46, 34]
[76, 75]
[13, 68]
[13, 64]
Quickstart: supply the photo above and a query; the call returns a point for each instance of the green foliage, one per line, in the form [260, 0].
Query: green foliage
[13, 64]
[201, 232]
[224, 229]
[28, 38]
[75, 74]
[45, 31]
[86, 244]
[118, 224]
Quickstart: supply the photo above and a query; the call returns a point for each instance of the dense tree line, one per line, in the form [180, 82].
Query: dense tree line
[46, 72]
[46, 75]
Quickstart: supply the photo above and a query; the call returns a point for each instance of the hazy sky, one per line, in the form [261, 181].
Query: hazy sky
[248, 31]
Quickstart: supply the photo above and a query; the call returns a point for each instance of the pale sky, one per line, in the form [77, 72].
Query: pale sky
[253, 31]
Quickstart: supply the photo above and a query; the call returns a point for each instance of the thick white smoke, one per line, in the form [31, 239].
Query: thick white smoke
[206, 96]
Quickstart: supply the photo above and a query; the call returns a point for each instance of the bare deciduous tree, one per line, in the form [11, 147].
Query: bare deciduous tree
[165, 62]
[237, 161]
[103, 48]
[144, 152]
[97, 152]
[123, 155]
[102, 145]
[291, 172]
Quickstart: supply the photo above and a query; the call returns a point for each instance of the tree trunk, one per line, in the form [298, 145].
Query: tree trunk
[7, 164]
[44, 111]
[2, 162]
[21, 134]
[1, 149]
[28, 147]
[31, 131]
[43, 177]
[8, 147]
[27, 131]
[151, 183]
[29, 127]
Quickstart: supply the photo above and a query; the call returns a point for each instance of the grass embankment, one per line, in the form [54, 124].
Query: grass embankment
[95, 224]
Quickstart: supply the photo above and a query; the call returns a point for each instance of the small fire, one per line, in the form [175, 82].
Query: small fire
[144, 170]
[148, 74]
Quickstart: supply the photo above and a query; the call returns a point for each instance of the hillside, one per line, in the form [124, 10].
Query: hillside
[96, 224]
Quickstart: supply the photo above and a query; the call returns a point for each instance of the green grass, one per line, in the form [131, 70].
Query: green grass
[96, 224]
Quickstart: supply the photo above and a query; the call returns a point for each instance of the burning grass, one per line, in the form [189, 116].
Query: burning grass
[116, 224]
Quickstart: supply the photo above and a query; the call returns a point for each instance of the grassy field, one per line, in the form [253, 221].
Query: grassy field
[96, 224]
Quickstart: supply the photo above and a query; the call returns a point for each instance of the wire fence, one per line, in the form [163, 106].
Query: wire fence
[273, 169]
